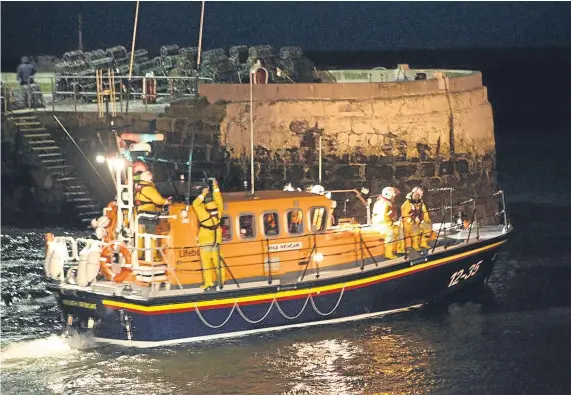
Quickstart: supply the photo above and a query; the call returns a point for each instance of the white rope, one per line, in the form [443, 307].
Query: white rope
[252, 321]
[294, 317]
[214, 326]
[274, 301]
[334, 308]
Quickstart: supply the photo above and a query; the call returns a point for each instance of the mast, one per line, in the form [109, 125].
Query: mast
[191, 151]
[131, 60]
[252, 72]
[79, 32]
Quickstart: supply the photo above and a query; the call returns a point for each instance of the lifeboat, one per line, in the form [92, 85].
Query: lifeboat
[284, 262]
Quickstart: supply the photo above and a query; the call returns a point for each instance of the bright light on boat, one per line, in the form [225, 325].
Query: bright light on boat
[184, 214]
[100, 159]
[318, 257]
[116, 163]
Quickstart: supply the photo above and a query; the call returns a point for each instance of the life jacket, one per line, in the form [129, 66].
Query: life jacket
[214, 217]
[140, 198]
[384, 212]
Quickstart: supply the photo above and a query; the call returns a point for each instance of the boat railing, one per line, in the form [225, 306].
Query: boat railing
[311, 253]
[314, 251]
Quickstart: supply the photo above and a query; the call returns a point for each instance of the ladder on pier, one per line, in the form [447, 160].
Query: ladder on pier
[45, 150]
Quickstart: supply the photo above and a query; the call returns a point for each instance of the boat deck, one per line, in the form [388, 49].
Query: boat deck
[453, 238]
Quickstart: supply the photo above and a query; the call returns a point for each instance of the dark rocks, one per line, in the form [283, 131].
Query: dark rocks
[403, 172]
[446, 168]
[426, 170]
[462, 166]
[379, 172]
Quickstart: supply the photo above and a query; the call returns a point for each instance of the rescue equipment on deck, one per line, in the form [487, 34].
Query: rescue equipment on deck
[106, 259]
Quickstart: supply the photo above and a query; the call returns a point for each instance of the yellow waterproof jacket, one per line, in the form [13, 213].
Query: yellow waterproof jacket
[147, 198]
[383, 213]
[209, 232]
[414, 212]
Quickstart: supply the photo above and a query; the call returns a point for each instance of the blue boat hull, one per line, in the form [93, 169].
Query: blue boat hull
[178, 319]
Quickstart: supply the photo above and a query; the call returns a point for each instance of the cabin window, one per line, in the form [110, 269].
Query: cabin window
[295, 221]
[318, 218]
[247, 230]
[226, 226]
[271, 225]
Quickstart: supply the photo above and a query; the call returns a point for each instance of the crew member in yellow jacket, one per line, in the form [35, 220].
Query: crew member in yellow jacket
[208, 208]
[148, 200]
[416, 219]
[385, 220]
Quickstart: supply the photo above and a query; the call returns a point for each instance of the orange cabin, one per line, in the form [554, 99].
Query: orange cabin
[270, 235]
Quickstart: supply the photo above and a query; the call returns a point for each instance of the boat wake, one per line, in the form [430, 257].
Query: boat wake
[54, 346]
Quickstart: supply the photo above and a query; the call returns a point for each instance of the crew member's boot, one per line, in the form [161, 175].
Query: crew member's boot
[208, 273]
[389, 248]
[424, 241]
[400, 246]
[416, 243]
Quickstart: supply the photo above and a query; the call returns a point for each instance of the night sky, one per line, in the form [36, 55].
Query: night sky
[36, 28]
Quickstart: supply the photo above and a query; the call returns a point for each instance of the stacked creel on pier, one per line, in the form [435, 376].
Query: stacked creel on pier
[75, 74]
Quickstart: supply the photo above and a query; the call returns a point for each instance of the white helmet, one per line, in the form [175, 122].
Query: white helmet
[389, 193]
[417, 193]
[289, 188]
[317, 189]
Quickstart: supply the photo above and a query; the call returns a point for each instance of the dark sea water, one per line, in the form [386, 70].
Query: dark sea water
[512, 337]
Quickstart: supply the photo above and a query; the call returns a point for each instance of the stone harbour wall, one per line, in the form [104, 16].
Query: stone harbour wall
[435, 133]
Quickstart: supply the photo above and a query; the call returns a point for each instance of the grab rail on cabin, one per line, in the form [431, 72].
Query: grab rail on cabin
[312, 248]
[74, 243]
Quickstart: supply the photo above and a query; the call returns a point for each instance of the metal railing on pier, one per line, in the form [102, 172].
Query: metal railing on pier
[79, 93]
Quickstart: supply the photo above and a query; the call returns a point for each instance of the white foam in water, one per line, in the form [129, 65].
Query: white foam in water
[52, 347]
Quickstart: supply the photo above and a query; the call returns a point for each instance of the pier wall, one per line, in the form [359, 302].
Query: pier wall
[435, 133]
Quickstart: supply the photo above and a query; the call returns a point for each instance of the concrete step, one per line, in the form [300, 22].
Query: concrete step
[49, 155]
[48, 161]
[80, 200]
[87, 206]
[23, 116]
[26, 123]
[50, 143]
[32, 130]
[36, 135]
[65, 179]
[58, 167]
[90, 214]
[49, 147]
[75, 193]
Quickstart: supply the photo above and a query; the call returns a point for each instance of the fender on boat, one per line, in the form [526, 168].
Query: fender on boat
[88, 265]
[56, 256]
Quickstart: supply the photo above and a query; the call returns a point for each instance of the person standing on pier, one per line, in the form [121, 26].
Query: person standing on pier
[25, 72]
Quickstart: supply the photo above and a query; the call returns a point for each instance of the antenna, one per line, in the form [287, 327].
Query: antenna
[191, 151]
[132, 55]
[252, 130]
[79, 32]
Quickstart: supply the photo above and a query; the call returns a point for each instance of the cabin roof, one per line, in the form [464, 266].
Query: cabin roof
[230, 197]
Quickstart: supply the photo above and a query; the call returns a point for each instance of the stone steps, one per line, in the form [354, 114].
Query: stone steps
[44, 148]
